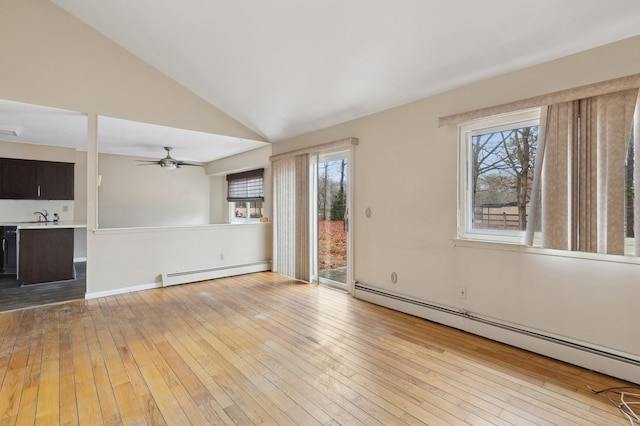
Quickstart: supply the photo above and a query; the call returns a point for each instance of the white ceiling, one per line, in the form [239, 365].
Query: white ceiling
[57, 127]
[122, 137]
[44, 126]
[288, 67]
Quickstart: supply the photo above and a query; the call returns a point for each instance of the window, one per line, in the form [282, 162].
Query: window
[582, 171]
[497, 157]
[245, 193]
[581, 195]
[244, 211]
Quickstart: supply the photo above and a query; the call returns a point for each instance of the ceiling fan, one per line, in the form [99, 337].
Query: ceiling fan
[168, 162]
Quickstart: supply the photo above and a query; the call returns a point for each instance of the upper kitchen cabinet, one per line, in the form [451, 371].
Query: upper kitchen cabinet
[54, 180]
[17, 179]
[35, 180]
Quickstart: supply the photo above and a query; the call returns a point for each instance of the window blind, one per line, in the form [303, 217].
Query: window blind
[291, 231]
[246, 186]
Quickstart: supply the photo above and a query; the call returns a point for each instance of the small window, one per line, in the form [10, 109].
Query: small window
[497, 156]
[245, 193]
[245, 211]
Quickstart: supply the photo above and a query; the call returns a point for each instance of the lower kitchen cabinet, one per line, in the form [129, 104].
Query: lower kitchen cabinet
[45, 255]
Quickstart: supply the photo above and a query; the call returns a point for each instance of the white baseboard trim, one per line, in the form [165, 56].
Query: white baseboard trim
[122, 290]
[187, 277]
[184, 277]
[604, 360]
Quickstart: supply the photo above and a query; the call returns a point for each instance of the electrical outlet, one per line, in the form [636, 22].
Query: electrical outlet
[462, 292]
[221, 256]
[65, 208]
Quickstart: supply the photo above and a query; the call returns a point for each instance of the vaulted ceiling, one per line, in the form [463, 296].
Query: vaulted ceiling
[288, 67]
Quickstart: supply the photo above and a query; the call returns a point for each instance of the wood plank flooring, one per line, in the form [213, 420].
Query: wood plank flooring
[262, 349]
[15, 295]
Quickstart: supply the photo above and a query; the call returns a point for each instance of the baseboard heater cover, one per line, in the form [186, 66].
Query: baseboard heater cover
[184, 277]
[604, 360]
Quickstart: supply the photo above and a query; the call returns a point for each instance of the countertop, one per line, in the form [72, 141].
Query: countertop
[46, 225]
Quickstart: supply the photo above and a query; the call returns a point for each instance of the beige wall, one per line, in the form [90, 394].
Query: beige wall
[254, 159]
[134, 196]
[52, 59]
[218, 206]
[29, 151]
[125, 260]
[406, 172]
[403, 158]
[22, 210]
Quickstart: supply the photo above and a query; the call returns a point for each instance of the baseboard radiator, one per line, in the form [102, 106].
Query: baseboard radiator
[604, 360]
[184, 277]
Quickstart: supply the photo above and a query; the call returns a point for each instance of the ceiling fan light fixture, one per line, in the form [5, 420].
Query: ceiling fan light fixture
[168, 162]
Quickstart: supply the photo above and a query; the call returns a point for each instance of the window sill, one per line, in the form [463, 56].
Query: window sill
[515, 237]
[539, 251]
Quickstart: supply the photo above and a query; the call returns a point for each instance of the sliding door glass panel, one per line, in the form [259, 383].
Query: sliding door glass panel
[332, 214]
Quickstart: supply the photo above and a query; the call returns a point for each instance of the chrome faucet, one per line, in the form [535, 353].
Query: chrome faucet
[44, 214]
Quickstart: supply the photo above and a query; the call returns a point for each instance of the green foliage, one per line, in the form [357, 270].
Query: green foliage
[630, 191]
[338, 205]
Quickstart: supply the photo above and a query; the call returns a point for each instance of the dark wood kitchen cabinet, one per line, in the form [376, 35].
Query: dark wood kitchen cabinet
[17, 179]
[45, 255]
[54, 180]
[36, 180]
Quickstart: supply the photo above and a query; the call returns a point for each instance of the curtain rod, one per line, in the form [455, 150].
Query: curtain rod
[328, 145]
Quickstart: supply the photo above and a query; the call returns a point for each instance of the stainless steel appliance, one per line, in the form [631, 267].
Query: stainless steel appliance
[9, 263]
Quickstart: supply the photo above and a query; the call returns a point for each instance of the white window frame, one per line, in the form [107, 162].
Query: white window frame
[248, 219]
[524, 118]
[248, 188]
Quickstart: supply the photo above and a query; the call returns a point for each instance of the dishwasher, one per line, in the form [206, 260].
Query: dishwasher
[9, 264]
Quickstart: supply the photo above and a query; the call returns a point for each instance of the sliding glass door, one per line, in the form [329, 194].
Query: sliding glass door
[330, 218]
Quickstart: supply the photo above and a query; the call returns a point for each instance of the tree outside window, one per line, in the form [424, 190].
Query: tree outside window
[502, 164]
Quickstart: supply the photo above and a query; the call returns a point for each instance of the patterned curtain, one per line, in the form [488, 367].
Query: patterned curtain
[583, 173]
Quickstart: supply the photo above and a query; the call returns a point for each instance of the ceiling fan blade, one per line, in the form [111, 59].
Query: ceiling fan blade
[168, 162]
[182, 163]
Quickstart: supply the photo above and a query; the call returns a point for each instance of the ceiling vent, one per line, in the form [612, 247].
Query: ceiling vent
[10, 130]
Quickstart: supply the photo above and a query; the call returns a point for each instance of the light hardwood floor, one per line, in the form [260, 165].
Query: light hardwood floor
[262, 349]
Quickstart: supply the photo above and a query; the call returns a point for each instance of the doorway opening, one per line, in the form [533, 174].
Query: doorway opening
[330, 224]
